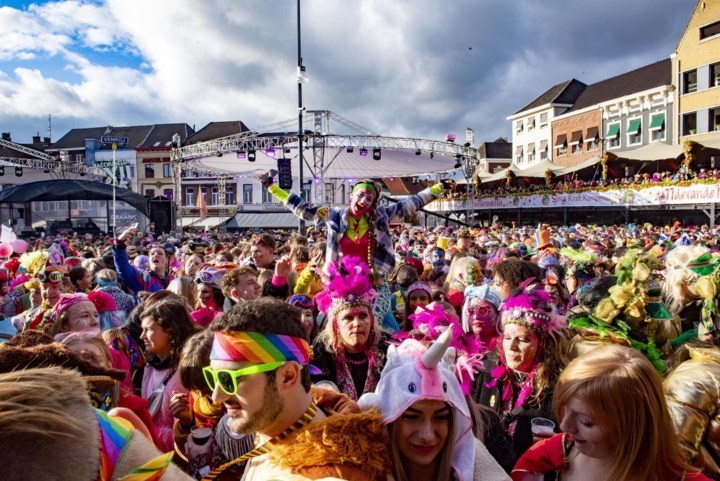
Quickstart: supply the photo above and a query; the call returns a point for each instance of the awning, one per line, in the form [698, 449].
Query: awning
[576, 137]
[279, 220]
[657, 122]
[519, 150]
[613, 130]
[194, 221]
[561, 140]
[531, 123]
[592, 134]
[543, 145]
[634, 126]
[531, 149]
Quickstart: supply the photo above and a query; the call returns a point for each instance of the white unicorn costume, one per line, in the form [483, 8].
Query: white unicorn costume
[415, 373]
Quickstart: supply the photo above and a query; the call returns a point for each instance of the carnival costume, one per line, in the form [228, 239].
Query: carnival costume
[348, 284]
[415, 373]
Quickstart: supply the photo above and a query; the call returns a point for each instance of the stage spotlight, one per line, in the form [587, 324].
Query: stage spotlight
[270, 152]
[451, 138]
[432, 155]
[251, 156]
[219, 154]
[350, 149]
[458, 162]
[18, 171]
[377, 154]
[363, 152]
[287, 150]
[417, 152]
[241, 154]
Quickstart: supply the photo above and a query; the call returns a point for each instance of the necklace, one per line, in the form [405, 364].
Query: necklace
[358, 362]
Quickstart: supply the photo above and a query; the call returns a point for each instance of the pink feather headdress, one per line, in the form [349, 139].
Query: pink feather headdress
[430, 323]
[529, 305]
[347, 283]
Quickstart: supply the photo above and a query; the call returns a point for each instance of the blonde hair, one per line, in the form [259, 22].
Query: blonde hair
[677, 288]
[460, 265]
[108, 275]
[329, 336]
[185, 287]
[624, 394]
[47, 428]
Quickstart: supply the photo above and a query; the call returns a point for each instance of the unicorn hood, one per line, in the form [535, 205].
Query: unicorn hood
[415, 373]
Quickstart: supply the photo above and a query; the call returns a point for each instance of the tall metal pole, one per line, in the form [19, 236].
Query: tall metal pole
[115, 181]
[301, 223]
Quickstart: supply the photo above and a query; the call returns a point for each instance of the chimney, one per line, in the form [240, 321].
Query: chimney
[36, 139]
[6, 136]
[46, 140]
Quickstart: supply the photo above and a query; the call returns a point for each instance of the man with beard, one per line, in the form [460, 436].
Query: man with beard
[259, 370]
[154, 279]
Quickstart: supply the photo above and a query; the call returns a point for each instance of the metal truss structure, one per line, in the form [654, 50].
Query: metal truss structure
[319, 137]
[57, 167]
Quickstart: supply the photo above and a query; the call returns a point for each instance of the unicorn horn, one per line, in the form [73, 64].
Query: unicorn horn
[435, 353]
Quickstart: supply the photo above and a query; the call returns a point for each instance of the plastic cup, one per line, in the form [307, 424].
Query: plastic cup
[201, 433]
[542, 428]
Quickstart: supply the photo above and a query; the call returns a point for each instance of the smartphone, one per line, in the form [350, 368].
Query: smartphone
[135, 225]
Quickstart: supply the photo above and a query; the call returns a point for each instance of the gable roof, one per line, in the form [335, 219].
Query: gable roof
[563, 93]
[499, 149]
[644, 78]
[216, 130]
[160, 135]
[75, 139]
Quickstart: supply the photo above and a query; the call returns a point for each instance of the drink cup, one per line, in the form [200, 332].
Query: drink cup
[201, 433]
[542, 428]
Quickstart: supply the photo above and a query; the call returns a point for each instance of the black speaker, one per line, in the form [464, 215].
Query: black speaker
[629, 171]
[284, 174]
[162, 213]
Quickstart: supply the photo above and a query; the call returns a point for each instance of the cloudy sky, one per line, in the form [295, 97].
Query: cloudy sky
[417, 68]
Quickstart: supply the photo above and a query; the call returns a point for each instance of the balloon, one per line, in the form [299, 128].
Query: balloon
[6, 249]
[19, 246]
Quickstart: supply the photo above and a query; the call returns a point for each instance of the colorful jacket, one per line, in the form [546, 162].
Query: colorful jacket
[337, 223]
[136, 280]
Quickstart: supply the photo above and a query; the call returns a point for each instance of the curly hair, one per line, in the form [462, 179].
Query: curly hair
[231, 277]
[514, 271]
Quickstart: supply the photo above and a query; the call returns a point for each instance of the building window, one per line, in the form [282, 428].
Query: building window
[519, 127]
[307, 187]
[531, 152]
[576, 142]
[167, 170]
[519, 154]
[613, 135]
[343, 199]
[132, 171]
[329, 196]
[168, 193]
[714, 119]
[561, 144]
[266, 196]
[689, 83]
[689, 124]
[714, 75]
[634, 131]
[190, 196]
[80, 158]
[531, 123]
[657, 127]
[214, 196]
[543, 149]
[709, 30]
[229, 195]
[543, 120]
[150, 193]
[247, 193]
[149, 171]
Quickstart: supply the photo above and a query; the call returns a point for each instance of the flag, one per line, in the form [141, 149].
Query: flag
[201, 204]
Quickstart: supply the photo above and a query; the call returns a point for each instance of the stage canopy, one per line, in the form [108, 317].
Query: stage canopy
[64, 190]
[655, 151]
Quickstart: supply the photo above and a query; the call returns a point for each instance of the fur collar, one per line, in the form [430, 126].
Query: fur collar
[352, 440]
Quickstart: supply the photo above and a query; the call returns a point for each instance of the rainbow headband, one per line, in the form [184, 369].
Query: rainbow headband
[259, 348]
[364, 185]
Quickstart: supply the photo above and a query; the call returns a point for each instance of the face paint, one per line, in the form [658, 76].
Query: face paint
[437, 258]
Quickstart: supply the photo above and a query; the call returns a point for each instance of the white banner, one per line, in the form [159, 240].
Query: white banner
[7, 234]
[651, 196]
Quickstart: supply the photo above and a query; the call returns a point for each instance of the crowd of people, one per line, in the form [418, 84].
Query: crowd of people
[361, 352]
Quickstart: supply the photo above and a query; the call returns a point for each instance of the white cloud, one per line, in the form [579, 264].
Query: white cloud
[418, 68]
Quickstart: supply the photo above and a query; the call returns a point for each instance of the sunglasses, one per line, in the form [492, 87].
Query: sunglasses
[228, 378]
[54, 276]
[300, 301]
[204, 277]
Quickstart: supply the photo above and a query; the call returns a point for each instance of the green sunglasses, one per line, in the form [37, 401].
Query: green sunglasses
[228, 378]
